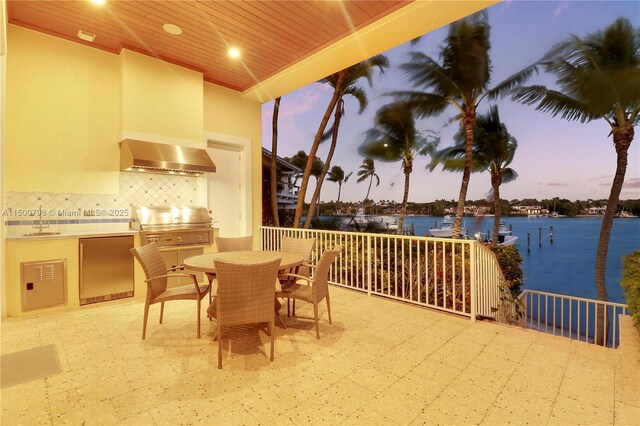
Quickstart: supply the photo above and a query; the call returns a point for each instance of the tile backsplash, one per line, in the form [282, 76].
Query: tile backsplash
[65, 212]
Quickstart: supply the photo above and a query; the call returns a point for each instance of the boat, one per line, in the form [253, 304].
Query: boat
[362, 220]
[505, 235]
[444, 228]
[624, 215]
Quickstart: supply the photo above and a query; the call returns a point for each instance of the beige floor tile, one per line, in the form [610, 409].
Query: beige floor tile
[346, 395]
[139, 400]
[370, 378]
[102, 413]
[234, 414]
[627, 388]
[140, 419]
[627, 415]
[381, 362]
[66, 380]
[491, 381]
[571, 411]
[366, 416]
[184, 411]
[316, 413]
[436, 371]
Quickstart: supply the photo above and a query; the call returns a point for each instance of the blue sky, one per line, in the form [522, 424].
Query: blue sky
[555, 157]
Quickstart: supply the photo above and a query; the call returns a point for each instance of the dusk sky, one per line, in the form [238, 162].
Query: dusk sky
[555, 157]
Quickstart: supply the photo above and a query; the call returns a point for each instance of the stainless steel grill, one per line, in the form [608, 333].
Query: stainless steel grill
[171, 226]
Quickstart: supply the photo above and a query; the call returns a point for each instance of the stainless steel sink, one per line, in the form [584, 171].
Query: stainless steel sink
[37, 234]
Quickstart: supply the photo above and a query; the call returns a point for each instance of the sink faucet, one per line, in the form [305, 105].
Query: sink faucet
[40, 226]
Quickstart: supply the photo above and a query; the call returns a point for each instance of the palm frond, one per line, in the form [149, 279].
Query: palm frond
[360, 95]
[512, 82]
[422, 104]
[554, 102]
[509, 175]
[424, 71]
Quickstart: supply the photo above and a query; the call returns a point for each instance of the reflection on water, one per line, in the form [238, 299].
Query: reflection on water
[567, 265]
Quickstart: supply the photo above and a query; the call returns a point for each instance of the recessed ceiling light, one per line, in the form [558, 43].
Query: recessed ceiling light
[172, 29]
[234, 52]
[86, 36]
[98, 1]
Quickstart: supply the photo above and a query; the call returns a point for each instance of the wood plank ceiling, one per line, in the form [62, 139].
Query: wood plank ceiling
[271, 35]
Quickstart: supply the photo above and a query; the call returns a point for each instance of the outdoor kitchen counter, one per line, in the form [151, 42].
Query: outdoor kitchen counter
[71, 234]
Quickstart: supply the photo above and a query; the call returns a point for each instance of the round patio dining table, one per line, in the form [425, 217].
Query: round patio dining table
[204, 262]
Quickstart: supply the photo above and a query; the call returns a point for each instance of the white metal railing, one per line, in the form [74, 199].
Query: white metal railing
[457, 276]
[588, 320]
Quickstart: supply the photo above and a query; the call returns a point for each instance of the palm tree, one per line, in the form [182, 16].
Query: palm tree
[394, 137]
[353, 74]
[493, 150]
[300, 160]
[314, 147]
[316, 171]
[368, 171]
[336, 174]
[274, 163]
[461, 80]
[598, 78]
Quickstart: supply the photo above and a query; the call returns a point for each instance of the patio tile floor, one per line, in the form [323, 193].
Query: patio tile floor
[380, 363]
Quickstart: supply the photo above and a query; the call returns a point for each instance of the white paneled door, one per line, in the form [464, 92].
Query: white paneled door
[228, 189]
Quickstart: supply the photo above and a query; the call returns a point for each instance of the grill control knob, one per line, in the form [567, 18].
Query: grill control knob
[199, 237]
[180, 239]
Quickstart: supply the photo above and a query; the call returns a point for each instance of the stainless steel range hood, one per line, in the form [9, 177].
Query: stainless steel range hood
[163, 158]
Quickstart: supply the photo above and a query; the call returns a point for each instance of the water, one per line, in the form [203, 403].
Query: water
[567, 265]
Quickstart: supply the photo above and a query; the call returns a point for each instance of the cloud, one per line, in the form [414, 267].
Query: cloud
[293, 106]
[609, 177]
[560, 9]
[555, 184]
[632, 183]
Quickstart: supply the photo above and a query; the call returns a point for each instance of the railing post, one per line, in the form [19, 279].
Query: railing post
[474, 278]
[368, 268]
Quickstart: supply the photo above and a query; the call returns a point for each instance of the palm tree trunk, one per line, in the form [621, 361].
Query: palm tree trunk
[495, 184]
[622, 138]
[468, 123]
[334, 140]
[369, 190]
[314, 148]
[408, 167]
[274, 164]
[339, 191]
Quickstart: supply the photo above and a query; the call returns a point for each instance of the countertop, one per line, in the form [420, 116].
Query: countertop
[72, 234]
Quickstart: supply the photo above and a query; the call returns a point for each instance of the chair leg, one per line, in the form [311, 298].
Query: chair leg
[315, 315]
[161, 311]
[144, 322]
[279, 318]
[329, 308]
[219, 336]
[293, 302]
[288, 308]
[199, 304]
[271, 331]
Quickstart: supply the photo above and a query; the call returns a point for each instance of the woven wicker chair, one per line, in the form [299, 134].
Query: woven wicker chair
[303, 247]
[318, 288]
[229, 244]
[246, 292]
[156, 274]
[234, 243]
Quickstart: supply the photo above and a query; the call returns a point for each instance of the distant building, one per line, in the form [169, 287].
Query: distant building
[595, 211]
[287, 195]
[530, 210]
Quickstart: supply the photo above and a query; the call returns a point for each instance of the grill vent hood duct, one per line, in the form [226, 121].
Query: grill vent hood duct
[163, 158]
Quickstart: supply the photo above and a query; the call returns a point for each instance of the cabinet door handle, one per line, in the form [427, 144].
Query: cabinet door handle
[81, 268]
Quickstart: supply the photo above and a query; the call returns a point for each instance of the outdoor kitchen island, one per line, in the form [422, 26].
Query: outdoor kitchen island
[65, 245]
